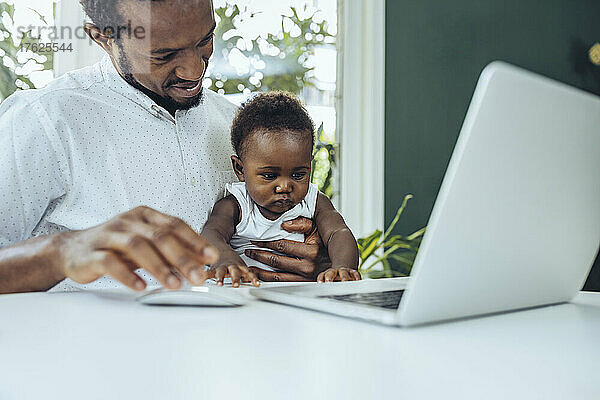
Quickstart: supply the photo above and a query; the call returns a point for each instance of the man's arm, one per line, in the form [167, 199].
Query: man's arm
[218, 230]
[139, 238]
[29, 265]
[34, 170]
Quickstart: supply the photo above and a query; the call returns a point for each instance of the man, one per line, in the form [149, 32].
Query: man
[115, 167]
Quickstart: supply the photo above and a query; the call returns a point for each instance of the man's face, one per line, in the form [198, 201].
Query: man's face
[169, 65]
[276, 169]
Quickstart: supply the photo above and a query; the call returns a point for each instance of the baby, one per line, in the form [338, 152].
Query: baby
[273, 137]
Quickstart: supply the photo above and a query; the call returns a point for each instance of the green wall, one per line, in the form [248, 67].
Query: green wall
[435, 51]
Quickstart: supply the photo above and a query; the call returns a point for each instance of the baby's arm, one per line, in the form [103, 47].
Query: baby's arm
[218, 230]
[339, 240]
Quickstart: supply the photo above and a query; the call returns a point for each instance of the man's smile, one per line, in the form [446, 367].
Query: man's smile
[187, 89]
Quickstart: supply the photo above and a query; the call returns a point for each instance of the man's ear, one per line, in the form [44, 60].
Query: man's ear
[238, 167]
[98, 37]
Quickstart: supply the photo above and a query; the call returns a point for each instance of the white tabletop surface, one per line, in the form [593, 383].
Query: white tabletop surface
[82, 346]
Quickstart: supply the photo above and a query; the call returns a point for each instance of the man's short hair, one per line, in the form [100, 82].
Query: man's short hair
[105, 13]
[271, 112]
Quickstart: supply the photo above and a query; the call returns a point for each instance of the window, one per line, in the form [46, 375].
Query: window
[282, 45]
[259, 46]
[24, 29]
[293, 45]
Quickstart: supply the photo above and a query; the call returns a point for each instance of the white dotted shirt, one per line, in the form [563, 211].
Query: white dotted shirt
[90, 146]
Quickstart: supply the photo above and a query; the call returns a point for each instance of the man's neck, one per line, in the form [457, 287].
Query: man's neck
[129, 78]
[153, 96]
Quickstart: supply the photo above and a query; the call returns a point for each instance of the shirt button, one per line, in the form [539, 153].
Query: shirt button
[193, 181]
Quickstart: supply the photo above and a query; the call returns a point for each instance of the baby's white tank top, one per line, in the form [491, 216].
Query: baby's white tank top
[254, 226]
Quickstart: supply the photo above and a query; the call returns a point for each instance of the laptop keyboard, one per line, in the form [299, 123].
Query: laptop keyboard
[387, 299]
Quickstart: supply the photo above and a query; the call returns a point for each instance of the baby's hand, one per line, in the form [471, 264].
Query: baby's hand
[237, 273]
[339, 274]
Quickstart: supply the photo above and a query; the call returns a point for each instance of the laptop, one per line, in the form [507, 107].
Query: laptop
[516, 223]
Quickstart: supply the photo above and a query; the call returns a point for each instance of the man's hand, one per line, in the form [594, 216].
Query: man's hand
[304, 261]
[163, 245]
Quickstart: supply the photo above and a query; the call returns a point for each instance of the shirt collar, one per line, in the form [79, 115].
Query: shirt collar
[118, 84]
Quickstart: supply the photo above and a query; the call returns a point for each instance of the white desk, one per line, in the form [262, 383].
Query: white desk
[80, 346]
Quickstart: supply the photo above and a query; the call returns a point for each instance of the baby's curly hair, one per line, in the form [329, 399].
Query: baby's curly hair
[271, 112]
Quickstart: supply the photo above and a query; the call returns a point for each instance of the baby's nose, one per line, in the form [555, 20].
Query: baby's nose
[283, 187]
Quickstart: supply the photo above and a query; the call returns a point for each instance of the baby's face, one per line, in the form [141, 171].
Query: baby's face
[276, 169]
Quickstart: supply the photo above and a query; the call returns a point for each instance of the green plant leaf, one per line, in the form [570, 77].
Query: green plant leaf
[9, 76]
[416, 234]
[397, 217]
[368, 246]
[41, 17]
[402, 250]
[397, 240]
[407, 259]
[384, 256]
[363, 243]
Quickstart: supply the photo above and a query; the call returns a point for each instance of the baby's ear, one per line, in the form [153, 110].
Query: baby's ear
[238, 167]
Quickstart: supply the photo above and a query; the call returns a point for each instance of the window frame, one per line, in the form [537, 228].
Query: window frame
[70, 13]
[360, 104]
[361, 113]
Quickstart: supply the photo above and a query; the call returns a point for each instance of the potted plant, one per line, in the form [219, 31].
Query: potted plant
[395, 253]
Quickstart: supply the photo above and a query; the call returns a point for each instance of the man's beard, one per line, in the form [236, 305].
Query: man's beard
[167, 102]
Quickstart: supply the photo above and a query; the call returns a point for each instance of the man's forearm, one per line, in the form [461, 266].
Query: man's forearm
[30, 265]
